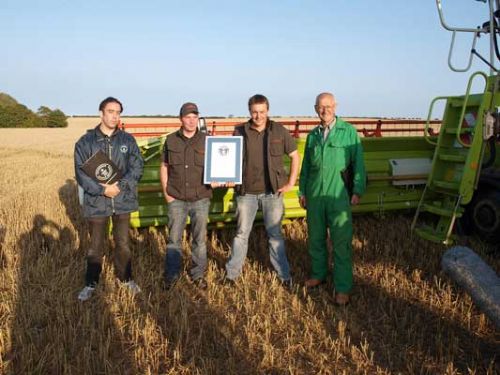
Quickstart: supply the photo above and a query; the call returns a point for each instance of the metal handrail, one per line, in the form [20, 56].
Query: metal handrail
[427, 123]
[488, 27]
[464, 107]
[452, 222]
[459, 29]
[471, 55]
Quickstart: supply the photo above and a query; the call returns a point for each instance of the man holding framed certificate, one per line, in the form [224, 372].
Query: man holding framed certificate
[264, 182]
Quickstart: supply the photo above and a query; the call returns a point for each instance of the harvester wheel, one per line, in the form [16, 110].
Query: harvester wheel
[486, 216]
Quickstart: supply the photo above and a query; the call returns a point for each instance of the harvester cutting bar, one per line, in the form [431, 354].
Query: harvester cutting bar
[368, 128]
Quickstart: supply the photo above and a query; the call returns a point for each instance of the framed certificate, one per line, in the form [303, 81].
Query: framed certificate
[223, 159]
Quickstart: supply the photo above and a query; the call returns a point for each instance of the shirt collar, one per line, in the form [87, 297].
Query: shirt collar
[181, 134]
[251, 125]
[330, 125]
[101, 134]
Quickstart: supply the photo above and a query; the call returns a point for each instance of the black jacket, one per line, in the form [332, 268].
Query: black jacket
[122, 149]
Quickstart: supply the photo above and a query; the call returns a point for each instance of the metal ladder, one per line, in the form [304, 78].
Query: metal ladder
[458, 154]
[456, 163]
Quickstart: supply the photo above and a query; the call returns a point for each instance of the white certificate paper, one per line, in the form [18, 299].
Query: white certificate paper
[223, 160]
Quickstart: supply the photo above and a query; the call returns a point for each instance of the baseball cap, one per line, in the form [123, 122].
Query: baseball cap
[188, 108]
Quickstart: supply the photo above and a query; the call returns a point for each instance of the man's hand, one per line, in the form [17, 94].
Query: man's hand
[214, 185]
[355, 199]
[285, 188]
[302, 201]
[112, 190]
[168, 198]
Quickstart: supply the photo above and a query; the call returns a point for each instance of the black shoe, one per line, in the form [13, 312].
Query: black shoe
[314, 283]
[201, 283]
[169, 284]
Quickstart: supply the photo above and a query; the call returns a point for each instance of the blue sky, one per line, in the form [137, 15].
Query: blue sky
[380, 58]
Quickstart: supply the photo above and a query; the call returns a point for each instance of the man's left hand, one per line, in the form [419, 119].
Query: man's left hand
[112, 190]
[285, 188]
[354, 199]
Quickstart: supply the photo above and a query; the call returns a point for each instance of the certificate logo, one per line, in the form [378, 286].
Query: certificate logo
[223, 150]
[103, 171]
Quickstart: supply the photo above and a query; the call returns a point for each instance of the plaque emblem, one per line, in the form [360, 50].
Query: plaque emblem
[103, 171]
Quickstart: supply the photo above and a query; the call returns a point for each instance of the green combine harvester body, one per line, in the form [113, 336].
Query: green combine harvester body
[385, 191]
[439, 177]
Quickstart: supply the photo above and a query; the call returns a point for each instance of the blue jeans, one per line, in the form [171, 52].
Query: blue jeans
[178, 211]
[272, 211]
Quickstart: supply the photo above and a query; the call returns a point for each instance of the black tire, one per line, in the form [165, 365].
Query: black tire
[485, 215]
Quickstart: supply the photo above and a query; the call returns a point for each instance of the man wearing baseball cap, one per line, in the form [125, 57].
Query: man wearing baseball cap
[181, 176]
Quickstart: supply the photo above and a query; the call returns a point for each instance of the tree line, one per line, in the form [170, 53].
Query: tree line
[16, 115]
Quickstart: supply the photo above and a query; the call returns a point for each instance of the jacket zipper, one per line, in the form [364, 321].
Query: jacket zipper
[108, 140]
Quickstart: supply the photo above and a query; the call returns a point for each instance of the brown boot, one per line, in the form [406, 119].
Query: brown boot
[341, 299]
[313, 283]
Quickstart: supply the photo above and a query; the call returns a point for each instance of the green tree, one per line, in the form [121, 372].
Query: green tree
[7, 100]
[16, 115]
[43, 111]
[57, 119]
[42, 116]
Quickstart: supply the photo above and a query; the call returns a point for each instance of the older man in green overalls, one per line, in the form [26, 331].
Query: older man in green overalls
[332, 178]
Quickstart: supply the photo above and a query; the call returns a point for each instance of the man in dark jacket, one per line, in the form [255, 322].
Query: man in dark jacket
[264, 183]
[102, 201]
[181, 176]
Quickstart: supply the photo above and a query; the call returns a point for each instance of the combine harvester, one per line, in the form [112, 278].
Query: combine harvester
[440, 177]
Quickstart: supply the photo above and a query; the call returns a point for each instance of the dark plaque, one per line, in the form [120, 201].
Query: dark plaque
[102, 169]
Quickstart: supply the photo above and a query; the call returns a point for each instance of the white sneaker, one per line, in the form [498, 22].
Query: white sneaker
[86, 293]
[133, 287]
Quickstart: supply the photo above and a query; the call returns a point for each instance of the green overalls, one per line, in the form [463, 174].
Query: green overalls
[328, 202]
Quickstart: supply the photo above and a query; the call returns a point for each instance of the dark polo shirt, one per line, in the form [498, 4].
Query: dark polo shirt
[263, 168]
[257, 181]
[185, 158]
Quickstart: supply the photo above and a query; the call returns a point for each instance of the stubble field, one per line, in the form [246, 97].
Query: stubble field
[406, 316]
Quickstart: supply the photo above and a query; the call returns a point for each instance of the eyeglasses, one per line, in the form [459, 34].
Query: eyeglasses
[323, 107]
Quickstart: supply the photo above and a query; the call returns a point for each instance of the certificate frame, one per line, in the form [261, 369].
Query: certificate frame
[223, 159]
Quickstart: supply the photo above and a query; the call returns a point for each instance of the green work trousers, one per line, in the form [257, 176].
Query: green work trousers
[322, 214]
